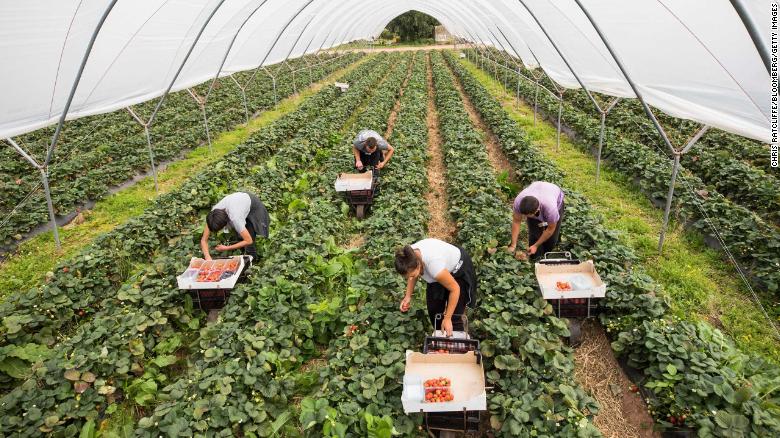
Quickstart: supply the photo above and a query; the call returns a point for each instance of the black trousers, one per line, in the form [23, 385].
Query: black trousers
[257, 222]
[437, 296]
[535, 231]
[370, 159]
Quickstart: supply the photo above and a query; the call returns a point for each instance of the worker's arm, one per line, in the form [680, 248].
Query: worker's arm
[389, 153]
[546, 234]
[411, 282]
[448, 281]
[517, 222]
[246, 240]
[358, 163]
[204, 243]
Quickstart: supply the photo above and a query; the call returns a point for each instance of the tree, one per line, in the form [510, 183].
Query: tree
[413, 26]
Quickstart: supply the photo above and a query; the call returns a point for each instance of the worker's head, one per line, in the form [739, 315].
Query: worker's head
[407, 263]
[529, 206]
[217, 219]
[371, 145]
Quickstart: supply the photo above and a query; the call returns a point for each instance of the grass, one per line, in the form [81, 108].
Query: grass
[34, 258]
[697, 283]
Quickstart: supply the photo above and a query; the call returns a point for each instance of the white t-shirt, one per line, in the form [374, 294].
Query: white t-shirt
[437, 255]
[237, 206]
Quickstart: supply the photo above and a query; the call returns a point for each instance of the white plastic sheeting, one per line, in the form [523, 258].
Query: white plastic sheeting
[692, 59]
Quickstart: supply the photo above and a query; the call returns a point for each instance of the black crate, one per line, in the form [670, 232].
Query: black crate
[465, 421]
[452, 346]
[576, 307]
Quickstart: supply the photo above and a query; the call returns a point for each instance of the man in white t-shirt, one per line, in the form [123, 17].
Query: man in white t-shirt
[370, 149]
[449, 274]
[244, 214]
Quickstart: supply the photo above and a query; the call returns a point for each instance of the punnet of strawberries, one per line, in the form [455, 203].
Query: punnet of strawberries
[438, 390]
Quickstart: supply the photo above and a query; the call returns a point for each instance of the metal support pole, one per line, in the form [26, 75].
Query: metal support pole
[630, 81]
[675, 169]
[295, 89]
[601, 135]
[184, 61]
[754, 32]
[560, 112]
[151, 157]
[43, 169]
[536, 97]
[75, 85]
[273, 81]
[148, 144]
[202, 104]
[276, 40]
[243, 95]
[45, 179]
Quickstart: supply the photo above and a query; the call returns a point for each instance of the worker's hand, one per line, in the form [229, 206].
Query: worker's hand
[406, 304]
[207, 257]
[222, 248]
[359, 165]
[532, 250]
[446, 326]
[380, 165]
[510, 249]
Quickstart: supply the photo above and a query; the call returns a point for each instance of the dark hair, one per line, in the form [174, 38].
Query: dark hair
[528, 205]
[406, 260]
[217, 219]
[371, 143]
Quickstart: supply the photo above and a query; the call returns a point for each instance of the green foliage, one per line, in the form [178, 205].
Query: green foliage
[413, 26]
[692, 371]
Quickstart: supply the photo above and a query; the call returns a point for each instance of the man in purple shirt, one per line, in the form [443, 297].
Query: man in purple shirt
[541, 206]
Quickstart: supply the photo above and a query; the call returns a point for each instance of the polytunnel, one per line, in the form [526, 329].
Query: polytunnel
[309, 321]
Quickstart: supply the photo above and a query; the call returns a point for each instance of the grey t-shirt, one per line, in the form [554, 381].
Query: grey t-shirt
[237, 206]
[360, 140]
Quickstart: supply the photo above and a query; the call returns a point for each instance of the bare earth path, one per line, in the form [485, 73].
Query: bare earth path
[622, 413]
[440, 226]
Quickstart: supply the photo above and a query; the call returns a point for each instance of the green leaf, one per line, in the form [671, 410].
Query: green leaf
[164, 361]
[88, 430]
[15, 367]
[671, 369]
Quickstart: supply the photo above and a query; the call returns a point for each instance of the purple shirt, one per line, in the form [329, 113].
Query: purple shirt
[550, 199]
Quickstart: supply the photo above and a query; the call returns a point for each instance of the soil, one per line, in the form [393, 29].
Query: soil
[440, 225]
[496, 155]
[623, 414]
[397, 106]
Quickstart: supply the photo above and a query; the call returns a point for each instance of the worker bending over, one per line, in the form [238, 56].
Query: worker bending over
[541, 206]
[245, 215]
[450, 275]
[370, 149]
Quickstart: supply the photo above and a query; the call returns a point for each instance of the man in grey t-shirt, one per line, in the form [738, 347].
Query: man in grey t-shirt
[243, 213]
[370, 149]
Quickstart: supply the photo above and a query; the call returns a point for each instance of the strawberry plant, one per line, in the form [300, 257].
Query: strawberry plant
[98, 152]
[96, 273]
[524, 357]
[693, 374]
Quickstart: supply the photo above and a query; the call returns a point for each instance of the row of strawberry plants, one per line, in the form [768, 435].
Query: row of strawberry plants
[273, 325]
[754, 243]
[148, 353]
[718, 165]
[100, 151]
[525, 360]
[361, 380]
[74, 291]
[693, 374]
